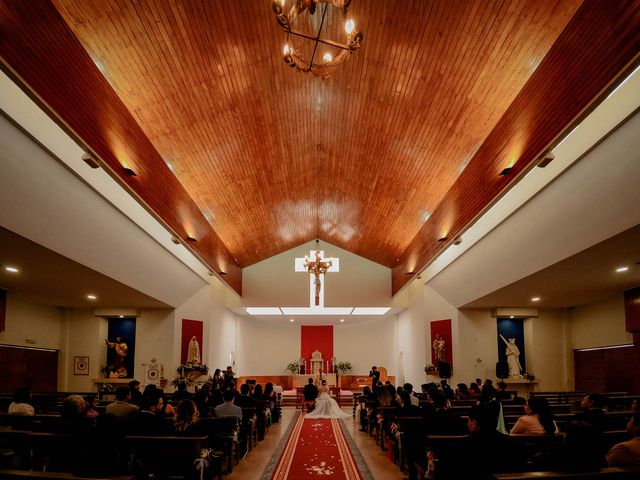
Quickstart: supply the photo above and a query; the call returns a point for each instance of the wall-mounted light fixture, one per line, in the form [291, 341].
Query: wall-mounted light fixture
[90, 160]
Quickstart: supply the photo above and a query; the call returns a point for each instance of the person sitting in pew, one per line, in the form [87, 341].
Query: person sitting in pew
[188, 419]
[462, 392]
[490, 451]
[121, 408]
[627, 453]
[593, 411]
[538, 418]
[228, 409]
[244, 400]
[20, 404]
[443, 421]
[148, 422]
[502, 393]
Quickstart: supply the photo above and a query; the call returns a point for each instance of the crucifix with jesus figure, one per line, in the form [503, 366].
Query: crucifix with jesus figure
[317, 266]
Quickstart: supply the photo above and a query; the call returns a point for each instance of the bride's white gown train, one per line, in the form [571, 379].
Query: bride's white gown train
[327, 407]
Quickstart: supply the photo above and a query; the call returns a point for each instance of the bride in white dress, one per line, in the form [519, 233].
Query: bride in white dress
[326, 407]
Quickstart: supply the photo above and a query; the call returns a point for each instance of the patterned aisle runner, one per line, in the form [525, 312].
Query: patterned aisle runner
[317, 448]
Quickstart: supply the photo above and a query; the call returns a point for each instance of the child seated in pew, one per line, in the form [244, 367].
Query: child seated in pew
[20, 404]
[538, 418]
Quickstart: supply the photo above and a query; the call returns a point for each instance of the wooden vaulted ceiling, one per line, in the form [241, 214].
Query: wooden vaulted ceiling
[264, 158]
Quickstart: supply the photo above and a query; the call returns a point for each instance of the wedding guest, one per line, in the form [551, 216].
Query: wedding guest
[502, 392]
[593, 411]
[405, 407]
[375, 378]
[21, 402]
[181, 393]
[215, 398]
[218, 377]
[257, 393]
[147, 421]
[538, 418]
[415, 401]
[424, 391]
[462, 392]
[244, 400]
[474, 390]
[188, 419]
[627, 453]
[443, 421]
[105, 452]
[228, 409]
[447, 390]
[91, 411]
[148, 390]
[167, 410]
[494, 407]
[202, 399]
[136, 394]
[121, 408]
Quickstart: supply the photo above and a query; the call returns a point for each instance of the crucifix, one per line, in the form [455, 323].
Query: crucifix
[317, 269]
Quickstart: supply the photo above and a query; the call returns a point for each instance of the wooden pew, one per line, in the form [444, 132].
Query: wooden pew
[606, 473]
[167, 455]
[223, 436]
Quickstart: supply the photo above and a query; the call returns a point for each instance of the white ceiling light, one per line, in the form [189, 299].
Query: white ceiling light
[317, 310]
[342, 320]
[91, 297]
[11, 269]
[622, 269]
[535, 299]
[291, 319]
[370, 310]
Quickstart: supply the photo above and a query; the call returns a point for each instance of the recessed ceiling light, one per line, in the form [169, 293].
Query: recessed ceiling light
[121, 316]
[291, 319]
[535, 299]
[511, 316]
[622, 269]
[342, 320]
[11, 269]
[91, 297]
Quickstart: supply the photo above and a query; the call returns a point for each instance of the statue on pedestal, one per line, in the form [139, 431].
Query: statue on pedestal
[513, 357]
[193, 353]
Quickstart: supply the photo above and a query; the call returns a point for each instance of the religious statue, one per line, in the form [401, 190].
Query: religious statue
[193, 353]
[513, 357]
[439, 350]
[319, 377]
[121, 350]
[317, 268]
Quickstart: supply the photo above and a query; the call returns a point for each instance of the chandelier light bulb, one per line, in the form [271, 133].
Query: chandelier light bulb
[349, 26]
[327, 57]
[286, 50]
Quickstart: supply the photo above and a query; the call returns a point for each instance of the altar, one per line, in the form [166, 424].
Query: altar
[302, 380]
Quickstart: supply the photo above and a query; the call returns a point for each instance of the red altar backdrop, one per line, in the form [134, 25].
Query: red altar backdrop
[314, 338]
[191, 328]
[442, 328]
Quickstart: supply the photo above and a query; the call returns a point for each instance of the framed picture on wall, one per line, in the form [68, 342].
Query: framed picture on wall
[81, 365]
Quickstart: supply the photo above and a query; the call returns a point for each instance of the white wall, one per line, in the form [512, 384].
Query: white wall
[39, 324]
[273, 282]
[599, 324]
[367, 343]
[266, 348]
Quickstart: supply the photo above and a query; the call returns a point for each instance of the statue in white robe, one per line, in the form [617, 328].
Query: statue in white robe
[193, 353]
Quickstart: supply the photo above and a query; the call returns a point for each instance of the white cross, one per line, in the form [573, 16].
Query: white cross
[299, 267]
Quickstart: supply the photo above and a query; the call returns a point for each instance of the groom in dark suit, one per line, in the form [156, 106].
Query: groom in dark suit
[310, 392]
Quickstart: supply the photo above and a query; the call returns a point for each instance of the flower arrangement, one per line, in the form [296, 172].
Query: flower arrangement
[189, 367]
[292, 368]
[430, 369]
[344, 367]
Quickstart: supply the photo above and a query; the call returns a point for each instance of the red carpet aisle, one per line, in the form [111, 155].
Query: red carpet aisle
[317, 448]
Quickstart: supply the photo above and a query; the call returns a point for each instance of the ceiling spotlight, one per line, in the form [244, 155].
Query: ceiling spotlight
[443, 239]
[90, 160]
[129, 172]
[511, 316]
[291, 319]
[91, 297]
[622, 269]
[327, 57]
[457, 241]
[409, 273]
[11, 269]
[546, 159]
[505, 171]
[535, 299]
[192, 239]
[175, 239]
[210, 273]
[222, 272]
[121, 316]
[342, 320]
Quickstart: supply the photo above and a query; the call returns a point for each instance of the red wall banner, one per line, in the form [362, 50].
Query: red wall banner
[441, 328]
[191, 328]
[314, 338]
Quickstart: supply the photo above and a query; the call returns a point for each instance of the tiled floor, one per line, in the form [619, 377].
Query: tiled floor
[253, 465]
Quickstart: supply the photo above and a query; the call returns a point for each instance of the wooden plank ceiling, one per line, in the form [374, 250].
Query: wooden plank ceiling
[273, 158]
